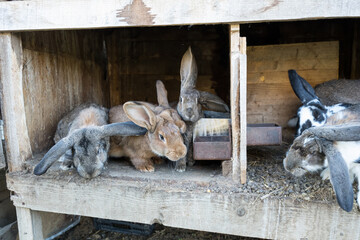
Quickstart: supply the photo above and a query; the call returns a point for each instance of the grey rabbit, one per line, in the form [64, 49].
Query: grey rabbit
[82, 140]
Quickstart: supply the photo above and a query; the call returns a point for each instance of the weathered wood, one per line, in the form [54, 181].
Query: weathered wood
[17, 140]
[62, 69]
[31, 15]
[40, 225]
[270, 98]
[137, 197]
[235, 98]
[28, 228]
[242, 108]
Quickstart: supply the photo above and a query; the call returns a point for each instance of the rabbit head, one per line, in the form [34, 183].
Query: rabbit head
[89, 147]
[338, 145]
[164, 133]
[191, 100]
[304, 155]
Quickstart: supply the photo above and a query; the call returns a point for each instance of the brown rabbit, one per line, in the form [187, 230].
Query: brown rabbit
[163, 137]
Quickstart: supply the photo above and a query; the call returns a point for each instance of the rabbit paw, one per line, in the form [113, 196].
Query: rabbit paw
[146, 168]
[325, 174]
[180, 165]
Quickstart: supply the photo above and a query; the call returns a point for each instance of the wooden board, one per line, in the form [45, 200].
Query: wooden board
[60, 71]
[183, 200]
[270, 96]
[78, 14]
[17, 139]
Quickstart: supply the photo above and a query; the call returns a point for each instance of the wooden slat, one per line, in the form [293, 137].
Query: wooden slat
[12, 101]
[64, 14]
[235, 98]
[145, 200]
[270, 98]
[243, 106]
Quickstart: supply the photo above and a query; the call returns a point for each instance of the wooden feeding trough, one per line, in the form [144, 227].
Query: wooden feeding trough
[216, 143]
[55, 55]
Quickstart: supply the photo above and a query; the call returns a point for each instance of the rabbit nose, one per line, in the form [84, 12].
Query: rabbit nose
[189, 111]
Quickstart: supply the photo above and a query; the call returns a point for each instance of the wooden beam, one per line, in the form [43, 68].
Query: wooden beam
[81, 14]
[12, 102]
[146, 200]
[235, 98]
[41, 225]
[243, 106]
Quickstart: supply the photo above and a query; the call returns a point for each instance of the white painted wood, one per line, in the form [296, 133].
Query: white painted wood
[146, 200]
[234, 99]
[78, 14]
[12, 102]
[242, 108]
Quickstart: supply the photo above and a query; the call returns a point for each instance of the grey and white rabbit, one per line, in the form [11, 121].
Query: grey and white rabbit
[331, 145]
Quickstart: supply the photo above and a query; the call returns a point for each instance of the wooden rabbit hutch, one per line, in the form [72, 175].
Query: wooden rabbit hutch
[57, 54]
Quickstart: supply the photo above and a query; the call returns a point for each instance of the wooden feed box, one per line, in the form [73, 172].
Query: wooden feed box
[55, 55]
[217, 146]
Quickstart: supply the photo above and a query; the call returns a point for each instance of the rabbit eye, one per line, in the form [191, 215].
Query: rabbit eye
[161, 137]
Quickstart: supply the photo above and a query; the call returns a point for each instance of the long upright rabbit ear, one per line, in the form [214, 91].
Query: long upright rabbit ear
[345, 132]
[161, 94]
[55, 153]
[188, 70]
[141, 115]
[123, 129]
[339, 176]
[213, 102]
[301, 87]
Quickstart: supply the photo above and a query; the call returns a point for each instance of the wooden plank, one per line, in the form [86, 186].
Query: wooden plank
[145, 200]
[12, 105]
[270, 98]
[80, 14]
[235, 98]
[242, 108]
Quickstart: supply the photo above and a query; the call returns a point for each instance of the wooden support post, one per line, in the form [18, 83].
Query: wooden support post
[238, 103]
[234, 98]
[243, 106]
[12, 102]
[41, 225]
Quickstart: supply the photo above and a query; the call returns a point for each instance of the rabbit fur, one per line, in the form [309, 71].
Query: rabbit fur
[163, 138]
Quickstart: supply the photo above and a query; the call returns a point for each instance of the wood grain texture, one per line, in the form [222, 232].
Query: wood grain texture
[60, 71]
[243, 108]
[235, 99]
[270, 98]
[12, 101]
[162, 198]
[80, 14]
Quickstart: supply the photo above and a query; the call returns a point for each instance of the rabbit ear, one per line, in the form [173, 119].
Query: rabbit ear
[213, 102]
[345, 132]
[56, 152]
[141, 115]
[339, 176]
[161, 94]
[123, 129]
[301, 87]
[188, 70]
